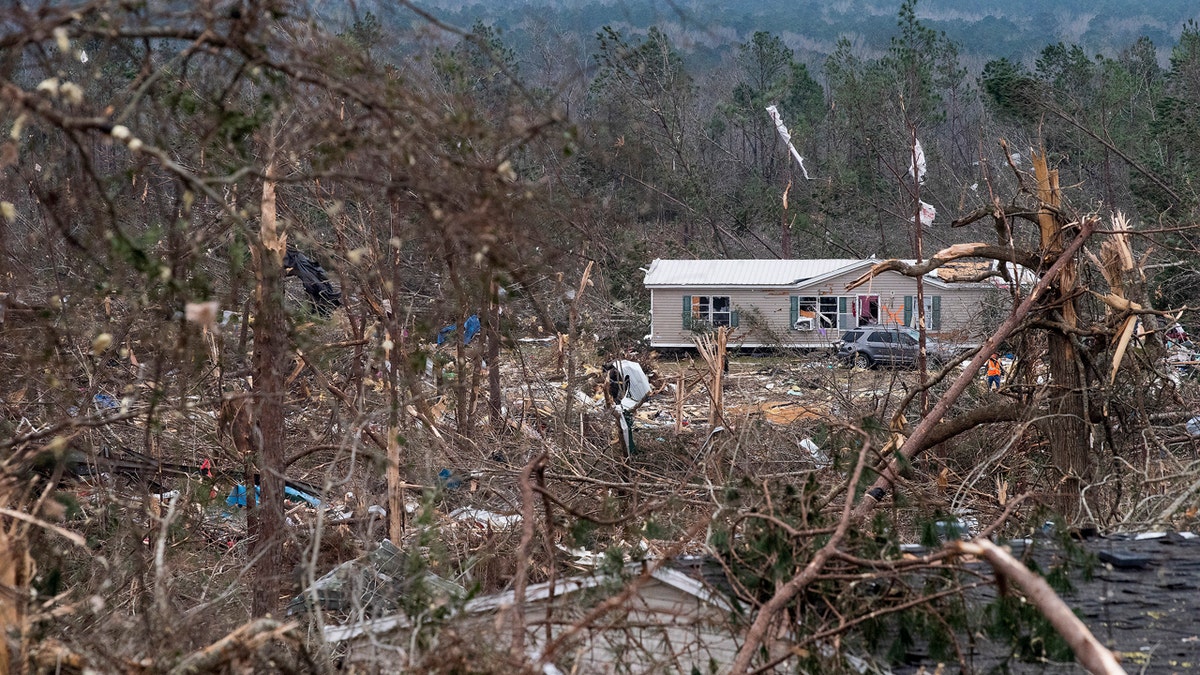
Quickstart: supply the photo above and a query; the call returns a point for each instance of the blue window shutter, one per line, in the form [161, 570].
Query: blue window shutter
[936, 321]
[908, 310]
[687, 311]
[733, 319]
[795, 315]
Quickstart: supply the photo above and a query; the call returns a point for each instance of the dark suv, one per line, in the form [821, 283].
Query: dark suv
[872, 346]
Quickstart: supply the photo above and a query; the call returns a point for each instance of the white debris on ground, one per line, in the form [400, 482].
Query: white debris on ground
[485, 518]
[820, 459]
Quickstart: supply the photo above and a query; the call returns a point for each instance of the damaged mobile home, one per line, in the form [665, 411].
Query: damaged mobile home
[667, 621]
[805, 304]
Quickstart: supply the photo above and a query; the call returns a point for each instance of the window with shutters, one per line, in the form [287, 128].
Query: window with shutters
[712, 310]
[804, 312]
[933, 312]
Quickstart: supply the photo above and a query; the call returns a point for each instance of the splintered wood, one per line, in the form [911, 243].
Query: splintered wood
[15, 565]
[711, 347]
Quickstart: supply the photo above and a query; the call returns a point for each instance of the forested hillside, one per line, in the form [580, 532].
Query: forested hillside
[682, 146]
[709, 31]
[323, 329]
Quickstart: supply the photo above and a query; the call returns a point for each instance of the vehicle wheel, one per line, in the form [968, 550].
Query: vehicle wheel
[862, 360]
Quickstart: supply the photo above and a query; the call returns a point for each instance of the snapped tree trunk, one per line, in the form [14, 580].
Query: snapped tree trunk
[15, 567]
[395, 486]
[917, 440]
[1066, 427]
[270, 363]
[785, 228]
[495, 394]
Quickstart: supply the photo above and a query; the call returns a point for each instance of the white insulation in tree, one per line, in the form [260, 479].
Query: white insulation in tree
[787, 138]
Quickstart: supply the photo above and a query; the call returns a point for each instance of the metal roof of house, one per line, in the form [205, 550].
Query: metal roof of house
[741, 272]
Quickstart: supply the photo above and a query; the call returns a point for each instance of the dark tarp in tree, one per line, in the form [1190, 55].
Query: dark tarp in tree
[322, 296]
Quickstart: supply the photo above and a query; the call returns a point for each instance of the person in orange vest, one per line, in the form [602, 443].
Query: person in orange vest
[994, 371]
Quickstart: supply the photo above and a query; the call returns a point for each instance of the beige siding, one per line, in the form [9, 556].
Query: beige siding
[765, 314]
[761, 312]
[969, 313]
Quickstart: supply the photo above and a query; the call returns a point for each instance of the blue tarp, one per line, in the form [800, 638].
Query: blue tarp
[449, 479]
[106, 402]
[237, 496]
[470, 329]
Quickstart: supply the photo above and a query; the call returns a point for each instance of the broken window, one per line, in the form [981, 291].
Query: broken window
[804, 312]
[711, 310]
[868, 310]
[829, 312]
[810, 312]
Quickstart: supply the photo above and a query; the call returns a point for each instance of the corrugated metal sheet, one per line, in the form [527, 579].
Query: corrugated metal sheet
[739, 272]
